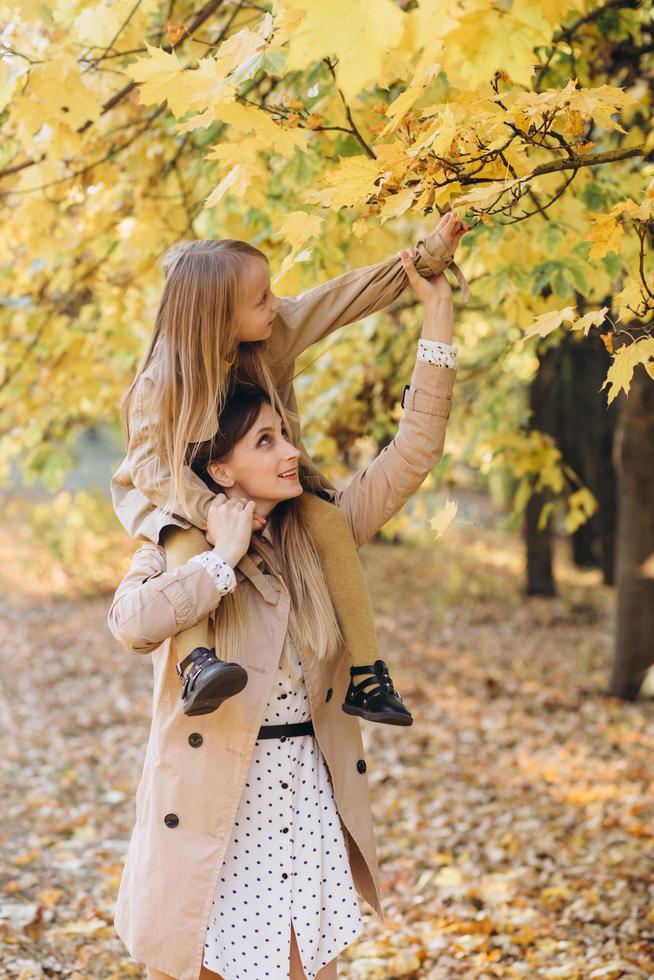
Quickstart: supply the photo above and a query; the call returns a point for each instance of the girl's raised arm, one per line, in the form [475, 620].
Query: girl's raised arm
[304, 320]
[379, 490]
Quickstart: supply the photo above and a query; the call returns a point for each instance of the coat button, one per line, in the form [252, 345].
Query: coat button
[361, 765]
[329, 694]
[195, 739]
[171, 820]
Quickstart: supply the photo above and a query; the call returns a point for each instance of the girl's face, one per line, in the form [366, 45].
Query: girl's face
[263, 465]
[258, 303]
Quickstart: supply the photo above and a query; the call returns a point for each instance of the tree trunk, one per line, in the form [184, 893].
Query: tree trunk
[540, 578]
[586, 442]
[544, 400]
[634, 650]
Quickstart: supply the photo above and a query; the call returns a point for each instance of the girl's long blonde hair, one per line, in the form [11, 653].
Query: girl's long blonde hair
[313, 626]
[196, 346]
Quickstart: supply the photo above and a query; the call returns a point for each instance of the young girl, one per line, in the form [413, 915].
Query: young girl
[219, 320]
[253, 838]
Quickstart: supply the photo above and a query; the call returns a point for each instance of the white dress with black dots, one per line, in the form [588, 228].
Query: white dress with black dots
[287, 858]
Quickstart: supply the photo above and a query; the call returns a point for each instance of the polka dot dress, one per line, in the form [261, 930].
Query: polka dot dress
[287, 858]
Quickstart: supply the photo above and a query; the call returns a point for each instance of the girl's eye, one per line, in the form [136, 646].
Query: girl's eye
[260, 443]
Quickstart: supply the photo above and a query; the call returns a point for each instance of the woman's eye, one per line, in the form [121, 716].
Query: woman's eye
[261, 440]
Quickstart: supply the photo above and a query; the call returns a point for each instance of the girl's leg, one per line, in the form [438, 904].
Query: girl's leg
[328, 972]
[181, 544]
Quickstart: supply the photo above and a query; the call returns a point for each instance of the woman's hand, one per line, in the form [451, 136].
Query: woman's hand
[230, 523]
[428, 291]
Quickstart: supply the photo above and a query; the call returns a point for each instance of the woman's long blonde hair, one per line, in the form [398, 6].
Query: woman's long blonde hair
[196, 346]
[313, 626]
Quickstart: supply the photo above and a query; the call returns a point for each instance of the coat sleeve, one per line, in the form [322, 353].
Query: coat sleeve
[151, 605]
[380, 489]
[305, 319]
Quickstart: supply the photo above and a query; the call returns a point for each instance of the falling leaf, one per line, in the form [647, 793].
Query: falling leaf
[443, 518]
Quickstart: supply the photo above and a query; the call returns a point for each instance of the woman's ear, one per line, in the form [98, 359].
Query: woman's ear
[220, 475]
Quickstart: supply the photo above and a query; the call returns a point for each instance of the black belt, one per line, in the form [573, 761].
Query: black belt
[283, 731]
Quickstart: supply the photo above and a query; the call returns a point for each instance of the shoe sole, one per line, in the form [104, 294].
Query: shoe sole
[229, 680]
[385, 719]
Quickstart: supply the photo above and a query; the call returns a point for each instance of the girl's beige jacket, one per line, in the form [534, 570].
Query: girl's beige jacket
[195, 768]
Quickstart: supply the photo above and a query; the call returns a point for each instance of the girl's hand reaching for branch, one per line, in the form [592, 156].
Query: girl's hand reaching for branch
[451, 230]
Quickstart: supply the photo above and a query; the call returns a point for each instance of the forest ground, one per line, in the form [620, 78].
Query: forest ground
[514, 819]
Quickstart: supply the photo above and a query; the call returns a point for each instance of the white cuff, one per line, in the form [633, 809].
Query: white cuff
[221, 571]
[437, 352]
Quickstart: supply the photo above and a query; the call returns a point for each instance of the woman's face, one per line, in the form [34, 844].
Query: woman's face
[263, 465]
[258, 306]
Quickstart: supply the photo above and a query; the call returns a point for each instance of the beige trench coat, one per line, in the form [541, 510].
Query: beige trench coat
[139, 487]
[195, 769]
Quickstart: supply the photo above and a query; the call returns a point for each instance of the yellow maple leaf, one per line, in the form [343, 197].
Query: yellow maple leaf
[439, 135]
[593, 319]
[489, 38]
[581, 505]
[8, 79]
[236, 181]
[59, 90]
[486, 192]
[99, 24]
[396, 110]
[605, 236]
[299, 227]
[546, 323]
[628, 299]
[242, 53]
[600, 103]
[357, 32]
[351, 182]
[269, 135]
[160, 78]
[443, 518]
[397, 204]
[293, 258]
[625, 360]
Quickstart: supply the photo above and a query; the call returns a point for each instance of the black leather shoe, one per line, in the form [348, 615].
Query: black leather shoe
[209, 681]
[381, 702]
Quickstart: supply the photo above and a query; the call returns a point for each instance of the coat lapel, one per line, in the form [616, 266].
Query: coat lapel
[266, 585]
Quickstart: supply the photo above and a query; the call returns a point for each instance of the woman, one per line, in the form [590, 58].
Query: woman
[251, 842]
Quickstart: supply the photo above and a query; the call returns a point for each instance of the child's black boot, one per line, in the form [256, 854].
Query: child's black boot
[381, 702]
[208, 681]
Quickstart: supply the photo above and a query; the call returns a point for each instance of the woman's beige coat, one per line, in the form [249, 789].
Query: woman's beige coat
[195, 768]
